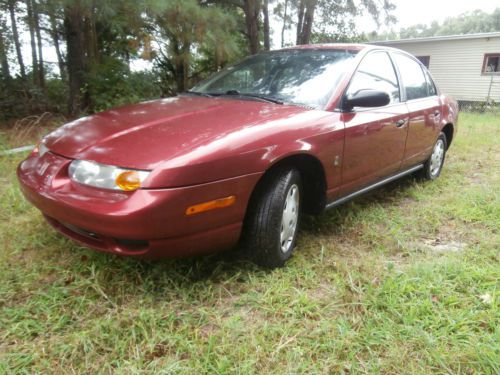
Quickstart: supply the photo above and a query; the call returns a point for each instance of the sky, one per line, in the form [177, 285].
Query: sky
[411, 12]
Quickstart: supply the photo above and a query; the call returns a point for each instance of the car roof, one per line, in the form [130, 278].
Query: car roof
[357, 47]
[333, 46]
[341, 46]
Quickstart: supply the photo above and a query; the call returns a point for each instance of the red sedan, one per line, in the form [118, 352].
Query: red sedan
[243, 154]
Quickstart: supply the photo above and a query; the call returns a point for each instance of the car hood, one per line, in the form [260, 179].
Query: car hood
[174, 132]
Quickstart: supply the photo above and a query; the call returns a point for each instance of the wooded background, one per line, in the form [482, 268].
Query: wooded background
[96, 42]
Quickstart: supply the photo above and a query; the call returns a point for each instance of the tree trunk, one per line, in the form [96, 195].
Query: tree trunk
[90, 39]
[41, 69]
[4, 62]
[267, 38]
[283, 29]
[34, 57]
[306, 23]
[55, 39]
[300, 19]
[181, 53]
[251, 9]
[15, 36]
[73, 24]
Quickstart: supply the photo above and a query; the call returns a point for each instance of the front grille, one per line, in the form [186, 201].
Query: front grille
[116, 245]
[132, 244]
[81, 231]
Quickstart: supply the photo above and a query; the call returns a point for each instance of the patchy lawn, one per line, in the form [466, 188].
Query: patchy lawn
[404, 280]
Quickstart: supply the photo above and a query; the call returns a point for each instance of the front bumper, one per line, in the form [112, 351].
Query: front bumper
[146, 223]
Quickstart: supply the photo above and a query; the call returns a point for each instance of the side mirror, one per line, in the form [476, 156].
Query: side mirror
[366, 98]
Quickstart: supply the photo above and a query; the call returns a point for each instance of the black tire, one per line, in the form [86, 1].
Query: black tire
[429, 172]
[262, 230]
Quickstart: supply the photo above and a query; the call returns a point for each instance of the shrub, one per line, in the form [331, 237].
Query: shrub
[112, 84]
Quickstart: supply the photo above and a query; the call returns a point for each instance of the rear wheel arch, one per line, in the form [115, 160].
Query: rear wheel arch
[448, 131]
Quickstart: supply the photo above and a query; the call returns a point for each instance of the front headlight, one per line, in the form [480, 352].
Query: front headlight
[106, 176]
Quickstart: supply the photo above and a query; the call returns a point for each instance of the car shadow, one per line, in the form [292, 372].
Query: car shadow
[153, 277]
[335, 219]
[229, 266]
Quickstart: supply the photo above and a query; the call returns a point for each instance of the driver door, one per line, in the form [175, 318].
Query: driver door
[374, 137]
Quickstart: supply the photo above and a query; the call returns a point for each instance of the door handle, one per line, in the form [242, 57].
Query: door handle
[437, 113]
[400, 123]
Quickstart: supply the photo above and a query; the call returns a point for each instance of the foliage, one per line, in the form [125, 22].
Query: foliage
[327, 21]
[337, 19]
[95, 42]
[111, 83]
[402, 281]
[56, 94]
[19, 97]
[187, 29]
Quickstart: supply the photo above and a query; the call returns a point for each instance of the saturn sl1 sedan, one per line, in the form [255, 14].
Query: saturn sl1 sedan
[242, 155]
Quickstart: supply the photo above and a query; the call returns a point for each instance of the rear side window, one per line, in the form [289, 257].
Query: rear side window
[376, 72]
[412, 76]
[424, 60]
[430, 84]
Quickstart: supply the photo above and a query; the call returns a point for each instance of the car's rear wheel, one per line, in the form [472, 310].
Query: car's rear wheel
[271, 225]
[434, 165]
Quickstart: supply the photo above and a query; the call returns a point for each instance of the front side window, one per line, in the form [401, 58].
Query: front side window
[302, 77]
[412, 76]
[491, 64]
[376, 72]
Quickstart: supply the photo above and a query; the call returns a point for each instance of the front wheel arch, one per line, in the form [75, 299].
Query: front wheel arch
[313, 176]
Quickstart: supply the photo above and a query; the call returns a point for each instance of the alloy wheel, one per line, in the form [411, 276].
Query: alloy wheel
[437, 157]
[290, 218]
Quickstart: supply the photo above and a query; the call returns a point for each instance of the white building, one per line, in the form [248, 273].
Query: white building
[465, 66]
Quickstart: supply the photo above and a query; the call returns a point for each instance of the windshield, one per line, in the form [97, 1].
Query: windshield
[302, 77]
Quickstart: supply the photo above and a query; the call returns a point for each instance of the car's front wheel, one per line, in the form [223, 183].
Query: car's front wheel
[434, 165]
[271, 225]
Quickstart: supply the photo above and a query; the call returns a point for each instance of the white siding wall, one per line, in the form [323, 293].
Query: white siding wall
[456, 66]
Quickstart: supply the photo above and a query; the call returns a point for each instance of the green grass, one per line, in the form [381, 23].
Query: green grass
[369, 289]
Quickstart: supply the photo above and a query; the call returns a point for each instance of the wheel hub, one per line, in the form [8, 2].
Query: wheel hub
[290, 218]
[437, 157]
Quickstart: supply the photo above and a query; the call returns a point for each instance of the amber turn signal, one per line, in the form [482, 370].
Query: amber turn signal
[36, 149]
[211, 205]
[128, 181]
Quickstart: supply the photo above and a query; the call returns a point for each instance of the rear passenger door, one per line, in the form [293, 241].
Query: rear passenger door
[424, 107]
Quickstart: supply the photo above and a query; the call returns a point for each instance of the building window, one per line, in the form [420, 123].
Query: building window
[491, 64]
[424, 60]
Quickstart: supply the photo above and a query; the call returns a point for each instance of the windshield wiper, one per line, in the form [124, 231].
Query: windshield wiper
[197, 93]
[250, 95]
